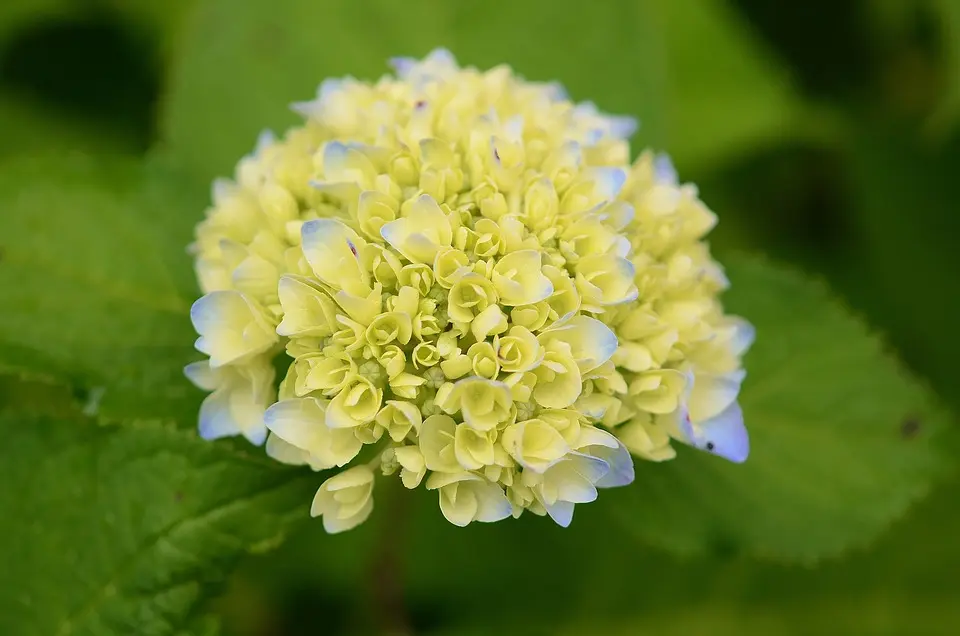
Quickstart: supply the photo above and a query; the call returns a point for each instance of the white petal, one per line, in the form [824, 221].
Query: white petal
[621, 466]
[330, 248]
[335, 155]
[216, 420]
[231, 327]
[743, 337]
[725, 435]
[590, 468]
[350, 478]
[299, 421]
[593, 436]
[265, 139]
[663, 170]
[284, 452]
[333, 524]
[591, 342]
[609, 181]
[561, 512]
[439, 480]
[252, 427]
[202, 376]
[459, 504]
[622, 126]
[306, 310]
[493, 504]
[402, 65]
[712, 394]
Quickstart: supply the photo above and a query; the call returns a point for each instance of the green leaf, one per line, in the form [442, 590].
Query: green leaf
[948, 18]
[607, 583]
[280, 52]
[15, 14]
[726, 92]
[31, 126]
[902, 269]
[128, 529]
[698, 81]
[163, 19]
[842, 438]
[95, 282]
[903, 586]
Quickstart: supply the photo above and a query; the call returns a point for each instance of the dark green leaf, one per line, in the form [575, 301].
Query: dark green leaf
[128, 529]
[903, 270]
[948, 14]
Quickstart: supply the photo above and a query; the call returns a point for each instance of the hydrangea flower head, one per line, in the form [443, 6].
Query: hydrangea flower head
[471, 288]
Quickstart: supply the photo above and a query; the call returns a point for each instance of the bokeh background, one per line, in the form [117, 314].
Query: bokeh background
[825, 134]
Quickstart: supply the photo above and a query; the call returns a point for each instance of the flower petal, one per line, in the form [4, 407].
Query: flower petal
[725, 435]
[712, 394]
[561, 512]
[232, 327]
[591, 342]
[284, 452]
[493, 504]
[332, 250]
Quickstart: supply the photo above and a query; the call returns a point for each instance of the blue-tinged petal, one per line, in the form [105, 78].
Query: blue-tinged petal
[232, 327]
[441, 55]
[586, 109]
[592, 470]
[561, 512]
[621, 465]
[623, 126]
[663, 170]
[202, 376]
[573, 478]
[335, 156]
[609, 181]
[216, 421]
[256, 434]
[725, 435]
[556, 91]
[314, 108]
[402, 65]
[743, 337]
[493, 505]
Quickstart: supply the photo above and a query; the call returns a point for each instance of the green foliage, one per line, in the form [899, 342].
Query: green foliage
[127, 529]
[905, 197]
[104, 309]
[948, 12]
[607, 584]
[725, 94]
[15, 14]
[34, 127]
[641, 58]
[831, 415]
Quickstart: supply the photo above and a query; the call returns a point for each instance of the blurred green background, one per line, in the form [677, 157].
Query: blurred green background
[825, 134]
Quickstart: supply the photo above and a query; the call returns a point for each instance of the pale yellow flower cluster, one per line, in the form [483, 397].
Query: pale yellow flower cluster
[470, 287]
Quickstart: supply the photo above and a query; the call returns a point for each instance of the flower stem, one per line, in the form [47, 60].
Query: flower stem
[386, 572]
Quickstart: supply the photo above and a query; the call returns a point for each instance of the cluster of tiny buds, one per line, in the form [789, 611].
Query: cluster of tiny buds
[471, 288]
